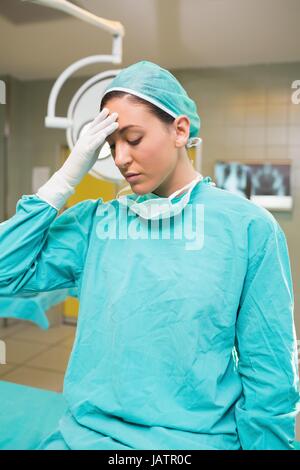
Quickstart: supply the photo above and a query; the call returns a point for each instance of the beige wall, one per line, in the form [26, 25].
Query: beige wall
[246, 113]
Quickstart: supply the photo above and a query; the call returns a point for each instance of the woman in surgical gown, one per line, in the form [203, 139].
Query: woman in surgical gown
[185, 337]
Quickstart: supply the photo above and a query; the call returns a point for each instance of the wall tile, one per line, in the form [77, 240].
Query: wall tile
[255, 115]
[279, 95]
[294, 114]
[294, 135]
[254, 136]
[277, 152]
[235, 115]
[277, 115]
[276, 135]
[235, 136]
[254, 152]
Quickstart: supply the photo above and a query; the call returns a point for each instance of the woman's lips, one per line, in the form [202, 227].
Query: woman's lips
[133, 178]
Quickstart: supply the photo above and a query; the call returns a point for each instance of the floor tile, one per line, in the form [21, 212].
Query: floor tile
[18, 351]
[5, 368]
[51, 336]
[55, 359]
[36, 378]
[68, 343]
[11, 329]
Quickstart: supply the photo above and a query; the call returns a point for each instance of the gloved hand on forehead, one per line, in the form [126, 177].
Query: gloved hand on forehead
[82, 158]
[86, 150]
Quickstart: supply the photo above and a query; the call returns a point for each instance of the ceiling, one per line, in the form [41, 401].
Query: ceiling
[21, 12]
[38, 42]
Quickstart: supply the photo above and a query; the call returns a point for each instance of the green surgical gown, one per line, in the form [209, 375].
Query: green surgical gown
[181, 342]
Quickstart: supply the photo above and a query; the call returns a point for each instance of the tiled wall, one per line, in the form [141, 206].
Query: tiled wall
[247, 113]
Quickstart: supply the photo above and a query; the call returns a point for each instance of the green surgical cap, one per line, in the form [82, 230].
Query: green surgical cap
[152, 83]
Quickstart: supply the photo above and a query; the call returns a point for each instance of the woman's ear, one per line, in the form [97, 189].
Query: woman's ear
[182, 130]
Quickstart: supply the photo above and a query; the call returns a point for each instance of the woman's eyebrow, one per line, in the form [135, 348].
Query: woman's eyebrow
[127, 127]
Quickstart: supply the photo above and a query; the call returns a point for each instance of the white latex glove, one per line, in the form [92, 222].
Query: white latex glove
[84, 155]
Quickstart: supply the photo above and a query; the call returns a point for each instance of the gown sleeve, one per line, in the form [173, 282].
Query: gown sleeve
[266, 344]
[40, 251]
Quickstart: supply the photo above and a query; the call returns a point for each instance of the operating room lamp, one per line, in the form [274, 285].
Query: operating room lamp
[84, 105]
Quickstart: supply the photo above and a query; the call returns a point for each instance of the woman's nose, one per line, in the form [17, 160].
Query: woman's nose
[122, 156]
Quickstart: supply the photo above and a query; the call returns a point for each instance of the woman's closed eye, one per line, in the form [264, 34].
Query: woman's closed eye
[134, 142]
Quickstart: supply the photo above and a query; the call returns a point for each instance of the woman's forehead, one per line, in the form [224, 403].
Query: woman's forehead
[129, 127]
[124, 107]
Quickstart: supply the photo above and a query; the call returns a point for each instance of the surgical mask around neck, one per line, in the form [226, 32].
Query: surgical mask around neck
[154, 207]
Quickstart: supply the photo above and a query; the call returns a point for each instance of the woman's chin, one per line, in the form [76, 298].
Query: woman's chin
[139, 192]
[141, 189]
